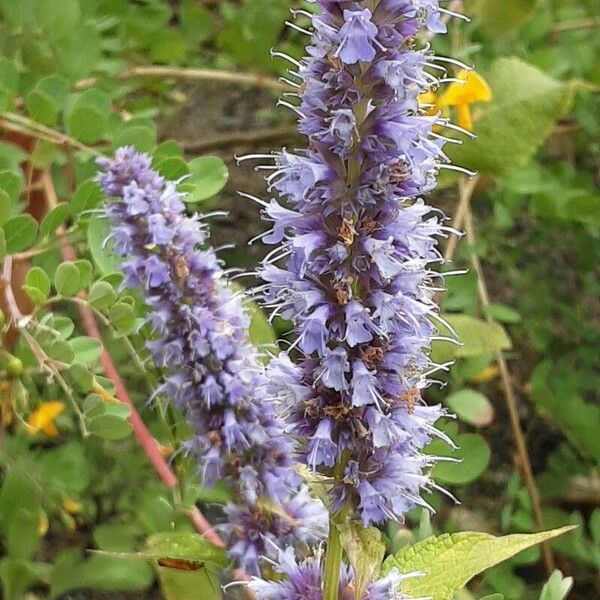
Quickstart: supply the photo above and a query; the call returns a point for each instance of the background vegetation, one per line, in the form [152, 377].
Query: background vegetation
[81, 77]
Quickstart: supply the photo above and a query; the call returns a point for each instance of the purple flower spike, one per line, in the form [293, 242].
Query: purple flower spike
[303, 581]
[357, 244]
[212, 372]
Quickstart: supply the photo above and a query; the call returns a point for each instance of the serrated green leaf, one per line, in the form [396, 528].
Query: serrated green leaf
[450, 561]
[54, 219]
[20, 233]
[208, 176]
[67, 280]
[37, 285]
[526, 105]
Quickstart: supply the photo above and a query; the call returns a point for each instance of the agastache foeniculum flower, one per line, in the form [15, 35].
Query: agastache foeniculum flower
[353, 269]
[212, 370]
[303, 580]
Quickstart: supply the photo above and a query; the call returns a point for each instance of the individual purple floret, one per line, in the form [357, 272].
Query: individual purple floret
[357, 242]
[212, 372]
[304, 581]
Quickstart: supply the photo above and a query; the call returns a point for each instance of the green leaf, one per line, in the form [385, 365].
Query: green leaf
[472, 407]
[86, 272]
[196, 22]
[87, 118]
[102, 251]
[87, 197]
[365, 550]
[60, 351]
[557, 587]
[142, 138]
[205, 559]
[526, 105]
[12, 183]
[172, 167]
[2, 244]
[261, 331]
[476, 336]
[495, 18]
[87, 350]
[502, 314]
[17, 577]
[102, 295]
[45, 101]
[20, 233]
[57, 18]
[54, 219]
[37, 285]
[67, 279]
[473, 453]
[450, 561]
[208, 177]
[5, 206]
[122, 317]
[110, 427]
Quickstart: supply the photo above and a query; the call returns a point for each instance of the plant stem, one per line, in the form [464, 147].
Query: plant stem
[512, 402]
[333, 562]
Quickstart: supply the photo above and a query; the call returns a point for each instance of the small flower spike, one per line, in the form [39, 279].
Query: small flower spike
[212, 371]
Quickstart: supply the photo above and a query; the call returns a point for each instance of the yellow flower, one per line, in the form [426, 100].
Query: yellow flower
[42, 418]
[43, 524]
[72, 506]
[488, 374]
[462, 95]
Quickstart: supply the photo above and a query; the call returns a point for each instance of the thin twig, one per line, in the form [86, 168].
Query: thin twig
[19, 124]
[216, 75]
[509, 393]
[575, 24]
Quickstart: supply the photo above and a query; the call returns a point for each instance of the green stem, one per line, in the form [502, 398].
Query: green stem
[333, 562]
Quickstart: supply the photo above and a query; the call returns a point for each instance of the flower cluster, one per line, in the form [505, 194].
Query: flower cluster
[212, 371]
[353, 269]
[303, 581]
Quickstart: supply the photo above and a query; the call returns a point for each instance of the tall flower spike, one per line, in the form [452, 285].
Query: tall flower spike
[212, 371]
[358, 243]
[303, 581]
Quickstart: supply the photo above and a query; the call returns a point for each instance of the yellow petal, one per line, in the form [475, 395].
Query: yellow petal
[72, 506]
[488, 374]
[465, 120]
[42, 418]
[475, 89]
[43, 524]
